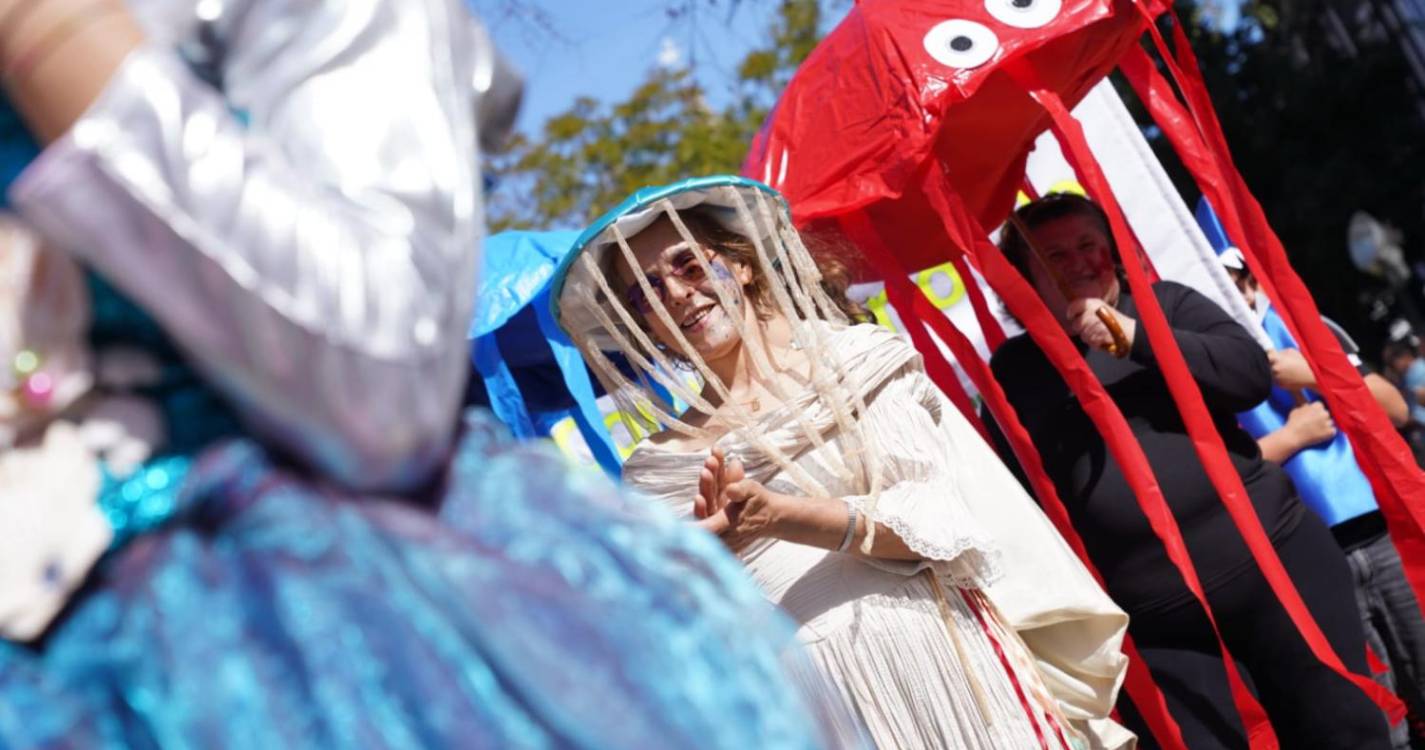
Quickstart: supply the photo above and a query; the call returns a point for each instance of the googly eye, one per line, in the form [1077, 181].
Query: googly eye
[959, 43]
[1024, 14]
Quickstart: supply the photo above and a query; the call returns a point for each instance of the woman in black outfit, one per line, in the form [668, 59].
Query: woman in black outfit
[1310, 706]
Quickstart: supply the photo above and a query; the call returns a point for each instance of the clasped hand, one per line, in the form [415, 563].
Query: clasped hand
[732, 506]
[1083, 322]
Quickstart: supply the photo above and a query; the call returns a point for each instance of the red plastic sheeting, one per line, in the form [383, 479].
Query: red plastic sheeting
[907, 129]
[871, 105]
[1383, 455]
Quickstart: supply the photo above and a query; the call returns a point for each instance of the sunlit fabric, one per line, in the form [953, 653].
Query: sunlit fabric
[292, 193]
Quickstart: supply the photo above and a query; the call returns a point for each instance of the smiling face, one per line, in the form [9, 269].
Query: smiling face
[679, 283]
[1077, 250]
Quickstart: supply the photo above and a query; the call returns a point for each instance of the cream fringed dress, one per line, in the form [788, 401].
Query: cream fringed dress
[916, 648]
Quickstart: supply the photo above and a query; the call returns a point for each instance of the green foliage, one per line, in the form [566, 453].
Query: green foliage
[591, 156]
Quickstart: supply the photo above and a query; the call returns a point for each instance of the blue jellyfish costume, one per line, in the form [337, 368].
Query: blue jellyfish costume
[528, 372]
[521, 604]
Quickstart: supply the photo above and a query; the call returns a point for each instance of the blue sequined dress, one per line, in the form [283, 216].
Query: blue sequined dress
[245, 605]
[319, 288]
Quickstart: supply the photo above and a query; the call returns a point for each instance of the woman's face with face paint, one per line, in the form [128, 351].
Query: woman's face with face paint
[1076, 251]
[679, 283]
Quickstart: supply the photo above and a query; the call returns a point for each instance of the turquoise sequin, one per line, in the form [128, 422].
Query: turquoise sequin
[144, 500]
[545, 611]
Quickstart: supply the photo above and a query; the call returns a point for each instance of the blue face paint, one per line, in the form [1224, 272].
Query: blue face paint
[722, 273]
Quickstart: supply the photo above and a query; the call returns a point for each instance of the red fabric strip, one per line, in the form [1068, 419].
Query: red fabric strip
[1398, 483]
[989, 324]
[1051, 712]
[900, 291]
[974, 606]
[1254, 718]
[1201, 428]
[1373, 660]
[1025, 304]
[1027, 188]
[1149, 700]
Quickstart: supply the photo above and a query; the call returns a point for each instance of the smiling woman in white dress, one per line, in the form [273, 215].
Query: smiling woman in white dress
[927, 586]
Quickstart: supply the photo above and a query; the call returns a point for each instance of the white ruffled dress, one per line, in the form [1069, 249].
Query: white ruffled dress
[993, 641]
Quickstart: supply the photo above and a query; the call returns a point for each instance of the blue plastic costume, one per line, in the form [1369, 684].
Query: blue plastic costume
[1326, 475]
[513, 331]
[251, 600]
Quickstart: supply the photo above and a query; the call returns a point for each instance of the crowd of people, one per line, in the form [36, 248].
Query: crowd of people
[240, 505]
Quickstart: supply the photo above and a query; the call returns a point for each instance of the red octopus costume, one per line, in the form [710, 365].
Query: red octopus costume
[908, 129]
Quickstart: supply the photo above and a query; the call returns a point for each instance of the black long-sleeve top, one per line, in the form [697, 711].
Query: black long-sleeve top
[1234, 375]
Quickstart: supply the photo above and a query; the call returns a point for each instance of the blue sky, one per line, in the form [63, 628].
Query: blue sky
[605, 48]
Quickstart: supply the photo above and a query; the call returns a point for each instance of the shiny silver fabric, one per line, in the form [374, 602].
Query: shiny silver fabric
[295, 199]
[499, 91]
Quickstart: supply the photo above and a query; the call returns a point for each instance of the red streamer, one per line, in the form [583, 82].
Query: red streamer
[1382, 454]
[1201, 428]
[916, 312]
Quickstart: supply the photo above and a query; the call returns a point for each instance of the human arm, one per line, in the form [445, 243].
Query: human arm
[1306, 425]
[318, 264]
[46, 78]
[740, 510]
[1228, 365]
[1389, 398]
[1290, 370]
[918, 500]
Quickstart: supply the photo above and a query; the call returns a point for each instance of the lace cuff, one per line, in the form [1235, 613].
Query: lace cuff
[949, 539]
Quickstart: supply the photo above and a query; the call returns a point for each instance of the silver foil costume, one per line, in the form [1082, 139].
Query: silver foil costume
[312, 250]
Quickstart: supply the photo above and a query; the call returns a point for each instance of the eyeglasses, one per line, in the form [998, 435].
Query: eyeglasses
[686, 269]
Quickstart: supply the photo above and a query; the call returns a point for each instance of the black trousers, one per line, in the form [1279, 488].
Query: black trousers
[1309, 705]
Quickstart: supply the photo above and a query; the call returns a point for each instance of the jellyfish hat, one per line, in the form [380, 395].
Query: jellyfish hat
[667, 385]
[908, 129]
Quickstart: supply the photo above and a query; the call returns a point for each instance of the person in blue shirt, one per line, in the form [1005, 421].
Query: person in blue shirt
[1294, 429]
[1402, 360]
